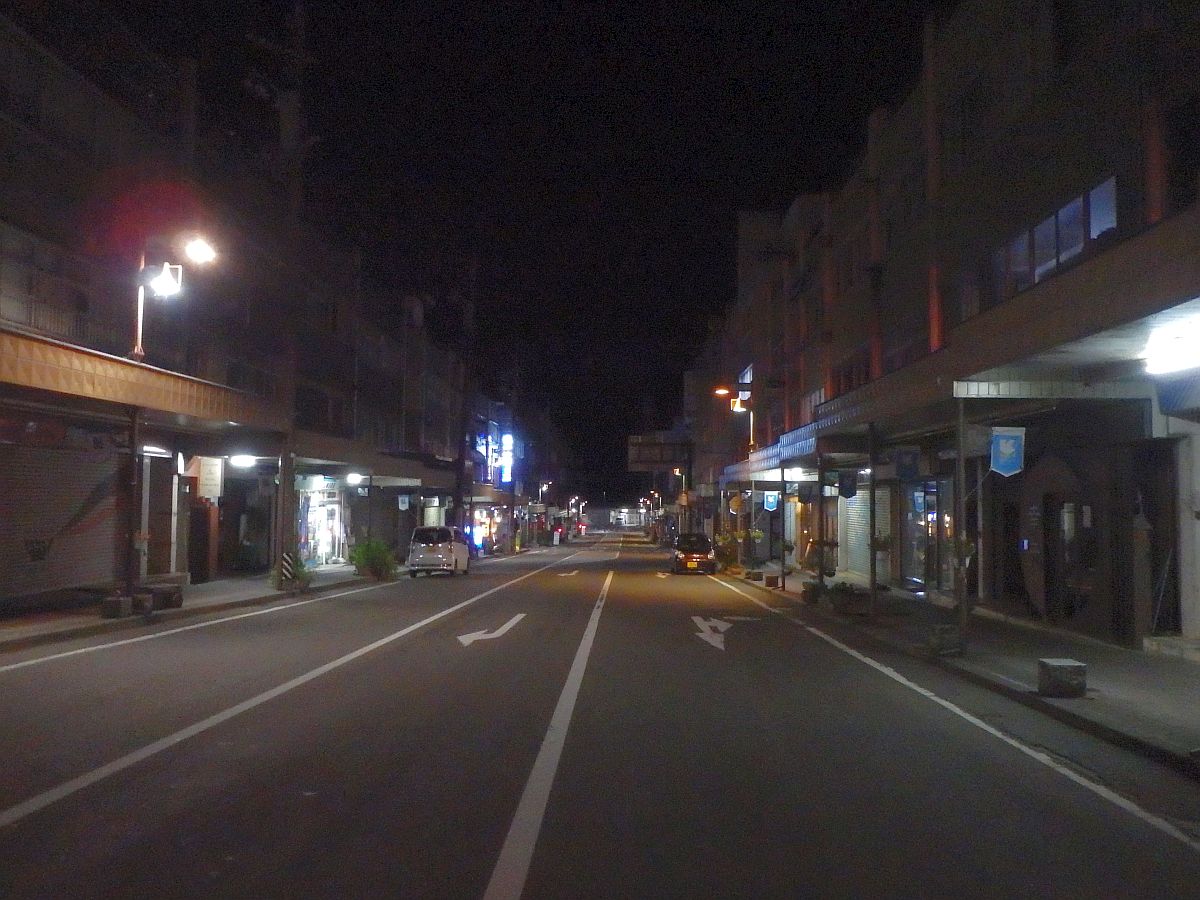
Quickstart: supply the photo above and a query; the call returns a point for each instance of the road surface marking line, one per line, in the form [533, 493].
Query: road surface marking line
[182, 628]
[1098, 789]
[512, 867]
[467, 639]
[18, 812]
[221, 621]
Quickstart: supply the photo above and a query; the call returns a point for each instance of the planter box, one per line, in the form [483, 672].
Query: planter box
[772, 581]
[755, 575]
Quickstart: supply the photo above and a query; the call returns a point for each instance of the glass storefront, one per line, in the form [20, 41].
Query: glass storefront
[927, 534]
[320, 521]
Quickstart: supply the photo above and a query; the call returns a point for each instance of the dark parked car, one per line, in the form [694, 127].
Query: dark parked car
[693, 553]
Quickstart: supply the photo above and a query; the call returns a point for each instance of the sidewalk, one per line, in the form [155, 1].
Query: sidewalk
[33, 627]
[1148, 702]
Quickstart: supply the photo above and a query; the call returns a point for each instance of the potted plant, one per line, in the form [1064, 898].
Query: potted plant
[810, 591]
[374, 559]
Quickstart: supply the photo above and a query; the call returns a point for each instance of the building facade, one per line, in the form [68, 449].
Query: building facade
[1012, 250]
[261, 412]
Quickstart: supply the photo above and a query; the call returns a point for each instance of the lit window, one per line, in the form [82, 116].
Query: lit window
[1045, 249]
[1070, 230]
[1018, 262]
[1102, 206]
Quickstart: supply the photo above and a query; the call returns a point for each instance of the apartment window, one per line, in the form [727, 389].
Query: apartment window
[1102, 208]
[1020, 271]
[1045, 249]
[1034, 255]
[1070, 230]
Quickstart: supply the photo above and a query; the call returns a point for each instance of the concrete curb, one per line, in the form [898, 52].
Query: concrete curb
[104, 626]
[1181, 760]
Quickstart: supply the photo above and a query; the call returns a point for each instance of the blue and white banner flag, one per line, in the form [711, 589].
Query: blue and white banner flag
[770, 500]
[1008, 450]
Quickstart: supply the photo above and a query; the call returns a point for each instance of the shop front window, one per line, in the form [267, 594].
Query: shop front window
[927, 534]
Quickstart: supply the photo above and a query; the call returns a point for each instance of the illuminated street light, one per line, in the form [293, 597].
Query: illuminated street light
[200, 251]
[168, 282]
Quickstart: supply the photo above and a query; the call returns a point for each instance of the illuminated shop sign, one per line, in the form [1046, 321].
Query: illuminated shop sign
[506, 458]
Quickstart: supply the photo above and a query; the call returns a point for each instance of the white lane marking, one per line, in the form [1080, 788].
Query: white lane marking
[46, 798]
[468, 639]
[206, 624]
[712, 631]
[568, 574]
[512, 867]
[221, 621]
[661, 574]
[1098, 789]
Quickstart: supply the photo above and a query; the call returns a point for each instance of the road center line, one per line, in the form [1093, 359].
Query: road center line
[16, 813]
[1098, 789]
[512, 868]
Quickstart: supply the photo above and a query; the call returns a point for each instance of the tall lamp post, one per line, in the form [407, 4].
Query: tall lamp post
[742, 400]
[165, 282]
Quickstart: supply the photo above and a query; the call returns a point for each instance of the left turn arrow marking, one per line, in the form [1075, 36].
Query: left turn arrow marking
[467, 639]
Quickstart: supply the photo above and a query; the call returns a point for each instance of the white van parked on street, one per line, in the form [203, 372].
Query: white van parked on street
[438, 548]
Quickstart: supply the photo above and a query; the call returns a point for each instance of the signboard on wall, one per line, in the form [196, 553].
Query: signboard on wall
[210, 477]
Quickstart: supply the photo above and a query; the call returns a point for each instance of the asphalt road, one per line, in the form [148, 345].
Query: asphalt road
[567, 723]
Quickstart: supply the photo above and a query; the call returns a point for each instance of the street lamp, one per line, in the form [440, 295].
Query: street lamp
[165, 283]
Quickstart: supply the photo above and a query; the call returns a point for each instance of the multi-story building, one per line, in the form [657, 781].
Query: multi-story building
[1015, 249]
[144, 438]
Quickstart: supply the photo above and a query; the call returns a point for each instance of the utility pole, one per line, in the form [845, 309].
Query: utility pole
[960, 521]
[468, 347]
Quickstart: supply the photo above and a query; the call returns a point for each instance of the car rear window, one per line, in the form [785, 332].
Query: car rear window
[694, 543]
[431, 536]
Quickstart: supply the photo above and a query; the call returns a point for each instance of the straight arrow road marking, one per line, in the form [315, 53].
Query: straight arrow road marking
[468, 639]
[661, 574]
[568, 574]
[712, 630]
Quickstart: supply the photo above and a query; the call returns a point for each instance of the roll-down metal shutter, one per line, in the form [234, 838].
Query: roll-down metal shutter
[858, 525]
[58, 526]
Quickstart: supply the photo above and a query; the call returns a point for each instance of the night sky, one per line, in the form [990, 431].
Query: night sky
[590, 159]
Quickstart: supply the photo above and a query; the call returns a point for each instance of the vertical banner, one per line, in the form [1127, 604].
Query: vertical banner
[848, 483]
[770, 500]
[1008, 450]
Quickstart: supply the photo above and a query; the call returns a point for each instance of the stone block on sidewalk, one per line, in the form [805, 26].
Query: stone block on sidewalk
[754, 575]
[771, 581]
[944, 640]
[1062, 678]
[116, 607]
